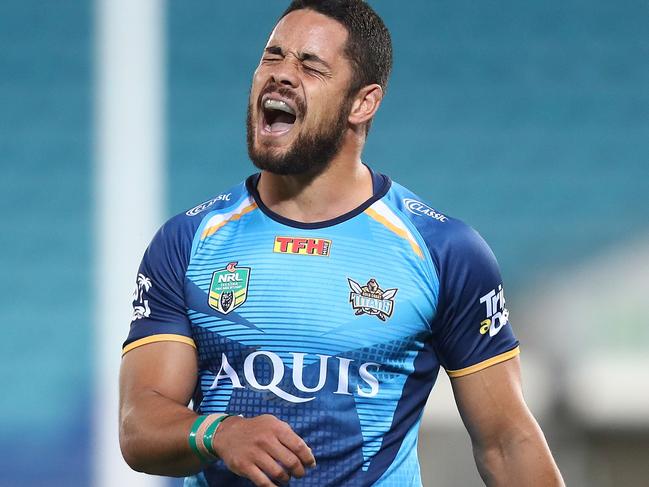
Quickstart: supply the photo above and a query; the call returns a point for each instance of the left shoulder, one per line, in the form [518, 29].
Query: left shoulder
[444, 235]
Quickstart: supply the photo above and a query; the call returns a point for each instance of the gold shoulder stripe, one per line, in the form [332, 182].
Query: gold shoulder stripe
[234, 217]
[393, 228]
[485, 363]
[158, 338]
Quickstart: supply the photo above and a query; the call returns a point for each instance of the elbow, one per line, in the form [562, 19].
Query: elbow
[131, 458]
[489, 459]
[498, 446]
[493, 455]
[128, 445]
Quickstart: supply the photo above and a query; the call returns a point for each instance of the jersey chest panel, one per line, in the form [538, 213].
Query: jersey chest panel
[327, 291]
[319, 327]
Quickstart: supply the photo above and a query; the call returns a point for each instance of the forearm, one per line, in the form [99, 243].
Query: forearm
[154, 432]
[520, 458]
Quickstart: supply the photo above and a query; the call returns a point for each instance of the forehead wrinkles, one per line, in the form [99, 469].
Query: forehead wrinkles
[308, 32]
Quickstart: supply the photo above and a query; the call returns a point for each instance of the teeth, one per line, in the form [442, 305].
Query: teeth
[271, 104]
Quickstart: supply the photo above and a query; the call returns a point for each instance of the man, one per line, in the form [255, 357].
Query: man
[307, 311]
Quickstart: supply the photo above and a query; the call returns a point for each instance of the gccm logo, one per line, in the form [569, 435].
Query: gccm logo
[226, 371]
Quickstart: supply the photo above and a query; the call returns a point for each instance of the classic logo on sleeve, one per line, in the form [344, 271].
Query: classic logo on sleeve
[371, 299]
[497, 314]
[204, 206]
[418, 208]
[229, 288]
[140, 303]
[302, 246]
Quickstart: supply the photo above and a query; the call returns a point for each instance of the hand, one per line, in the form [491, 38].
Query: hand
[263, 449]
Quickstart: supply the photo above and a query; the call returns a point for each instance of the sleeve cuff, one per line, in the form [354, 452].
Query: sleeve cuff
[158, 338]
[485, 363]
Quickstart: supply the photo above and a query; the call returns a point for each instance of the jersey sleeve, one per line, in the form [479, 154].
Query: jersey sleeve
[471, 328]
[159, 312]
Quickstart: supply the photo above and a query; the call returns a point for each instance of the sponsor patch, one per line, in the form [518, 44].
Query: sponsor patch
[302, 246]
[140, 303]
[204, 206]
[371, 299]
[229, 288]
[418, 208]
[497, 314]
[360, 381]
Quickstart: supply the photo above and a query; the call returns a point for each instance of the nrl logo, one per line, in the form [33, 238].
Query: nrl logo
[229, 288]
[371, 299]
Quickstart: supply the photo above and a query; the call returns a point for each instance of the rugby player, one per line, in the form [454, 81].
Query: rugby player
[305, 313]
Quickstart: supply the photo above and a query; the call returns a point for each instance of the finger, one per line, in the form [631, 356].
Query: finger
[293, 442]
[259, 478]
[272, 469]
[287, 459]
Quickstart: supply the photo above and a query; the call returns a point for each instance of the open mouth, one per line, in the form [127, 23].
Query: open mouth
[278, 116]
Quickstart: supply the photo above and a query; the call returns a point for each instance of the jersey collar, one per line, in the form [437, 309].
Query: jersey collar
[380, 185]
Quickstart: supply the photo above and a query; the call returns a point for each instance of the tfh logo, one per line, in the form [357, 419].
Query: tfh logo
[302, 246]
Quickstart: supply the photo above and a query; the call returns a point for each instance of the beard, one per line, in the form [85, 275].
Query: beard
[310, 153]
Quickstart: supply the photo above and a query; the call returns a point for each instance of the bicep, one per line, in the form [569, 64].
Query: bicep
[491, 402]
[165, 368]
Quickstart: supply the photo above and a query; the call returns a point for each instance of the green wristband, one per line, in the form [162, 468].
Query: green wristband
[209, 433]
[192, 438]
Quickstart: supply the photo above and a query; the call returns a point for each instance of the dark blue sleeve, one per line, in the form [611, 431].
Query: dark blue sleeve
[159, 312]
[471, 327]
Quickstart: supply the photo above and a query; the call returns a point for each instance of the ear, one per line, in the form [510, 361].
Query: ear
[365, 104]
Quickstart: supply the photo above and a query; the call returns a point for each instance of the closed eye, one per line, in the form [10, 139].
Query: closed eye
[317, 73]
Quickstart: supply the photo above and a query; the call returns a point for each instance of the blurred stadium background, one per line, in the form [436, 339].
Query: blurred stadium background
[529, 120]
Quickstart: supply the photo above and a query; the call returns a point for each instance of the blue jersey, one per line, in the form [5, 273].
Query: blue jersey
[338, 328]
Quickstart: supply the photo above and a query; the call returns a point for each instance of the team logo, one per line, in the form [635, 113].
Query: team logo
[418, 208]
[204, 206]
[229, 288]
[302, 246]
[140, 303]
[497, 314]
[371, 299]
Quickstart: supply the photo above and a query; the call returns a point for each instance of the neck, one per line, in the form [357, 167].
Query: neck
[343, 186]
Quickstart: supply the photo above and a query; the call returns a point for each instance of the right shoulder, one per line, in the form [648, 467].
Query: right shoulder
[221, 201]
[177, 234]
[186, 224]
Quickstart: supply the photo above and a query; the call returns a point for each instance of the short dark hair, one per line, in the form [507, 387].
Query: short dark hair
[369, 46]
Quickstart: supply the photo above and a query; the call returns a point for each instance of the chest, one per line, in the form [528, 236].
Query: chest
[324, 291]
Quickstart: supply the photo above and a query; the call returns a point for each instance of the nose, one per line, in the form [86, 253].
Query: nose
[285, 73]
